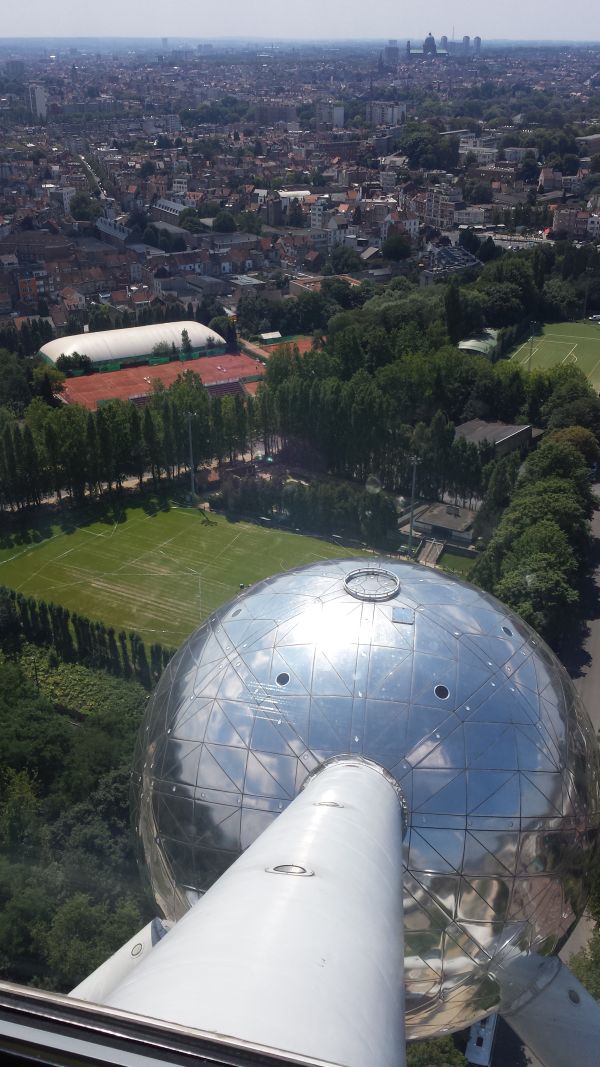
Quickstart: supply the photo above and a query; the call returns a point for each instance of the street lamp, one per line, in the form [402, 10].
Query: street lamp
[415, 459]
[532, 326]
[589, 272]
[189, 415]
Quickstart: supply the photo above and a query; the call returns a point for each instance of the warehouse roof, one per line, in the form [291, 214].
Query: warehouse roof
[114, 345]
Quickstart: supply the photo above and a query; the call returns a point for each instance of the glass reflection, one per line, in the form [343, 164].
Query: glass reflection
[442, 686]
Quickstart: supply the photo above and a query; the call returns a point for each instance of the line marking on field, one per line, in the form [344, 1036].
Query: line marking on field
[520, 349]
[562, 341]
[572, 337]
[590, 373]
[570, 354]
[522, 362]
[32, 548]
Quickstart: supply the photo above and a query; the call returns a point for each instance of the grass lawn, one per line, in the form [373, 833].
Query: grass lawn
[564, 342]
[455, 563]
[158, 571]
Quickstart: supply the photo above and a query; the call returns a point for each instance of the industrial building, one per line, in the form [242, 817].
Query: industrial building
[499, 435]
[112, 349]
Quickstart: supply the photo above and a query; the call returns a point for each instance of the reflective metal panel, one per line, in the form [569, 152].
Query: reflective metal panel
[441, 685]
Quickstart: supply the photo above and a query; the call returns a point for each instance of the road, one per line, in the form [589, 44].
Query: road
[97, 181]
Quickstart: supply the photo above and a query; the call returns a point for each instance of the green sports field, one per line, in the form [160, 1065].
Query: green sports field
[564, 342]
[157, 573]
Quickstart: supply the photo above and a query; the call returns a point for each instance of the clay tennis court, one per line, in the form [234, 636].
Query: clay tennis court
[303, 343]
[131, 382]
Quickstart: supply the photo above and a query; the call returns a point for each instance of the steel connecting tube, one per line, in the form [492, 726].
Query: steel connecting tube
[299, 946]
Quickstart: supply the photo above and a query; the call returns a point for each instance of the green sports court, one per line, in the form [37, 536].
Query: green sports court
[564, 342]
[159, 573]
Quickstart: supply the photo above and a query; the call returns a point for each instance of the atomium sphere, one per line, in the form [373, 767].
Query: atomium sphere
[441, 685]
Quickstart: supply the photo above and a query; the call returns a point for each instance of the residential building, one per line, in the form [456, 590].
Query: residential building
[550, 180]
[68, 192]
[388, 179]
[391, 55]
[471, 215]
[381, 113]
[330, 114]
[37, 101]
[317, 212]
[485, 148]
[31, 285]
[514, 154]
[443, 262]
[440, 204]
[570, 221]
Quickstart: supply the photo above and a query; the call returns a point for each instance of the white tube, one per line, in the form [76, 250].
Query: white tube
[97, 986]
[299, 945]
[551, 1012]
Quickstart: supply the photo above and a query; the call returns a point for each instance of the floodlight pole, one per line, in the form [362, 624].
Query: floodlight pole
[192, 479]
[587, 290]
[531, 329]
[415, 460]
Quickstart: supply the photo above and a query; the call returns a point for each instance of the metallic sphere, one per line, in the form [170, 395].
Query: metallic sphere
[441, 685]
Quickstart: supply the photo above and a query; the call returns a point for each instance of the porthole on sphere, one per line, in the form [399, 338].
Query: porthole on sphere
[506, 630]
[282, 679]
[236, 612]
[442, 692]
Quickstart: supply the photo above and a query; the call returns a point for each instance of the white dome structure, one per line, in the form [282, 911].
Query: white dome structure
[134, 344]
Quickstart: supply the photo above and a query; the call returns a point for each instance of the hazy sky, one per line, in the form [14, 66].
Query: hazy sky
[576, 20]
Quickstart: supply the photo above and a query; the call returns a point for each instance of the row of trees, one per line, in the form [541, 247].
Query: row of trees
[53, 451]
[323, 507]
[75, 638]
[28, 339]
[539, 550]
[351, 426]
[69, 449]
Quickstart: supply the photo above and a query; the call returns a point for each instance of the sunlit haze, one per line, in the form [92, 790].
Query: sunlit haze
[579, 20]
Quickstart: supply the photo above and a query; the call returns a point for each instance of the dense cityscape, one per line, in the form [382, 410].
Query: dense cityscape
[264, 303]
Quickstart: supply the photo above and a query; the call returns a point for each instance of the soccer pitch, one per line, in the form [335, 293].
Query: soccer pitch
[564, 342]
[160, 574]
